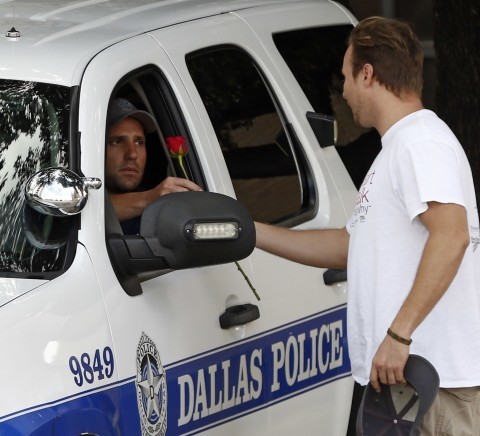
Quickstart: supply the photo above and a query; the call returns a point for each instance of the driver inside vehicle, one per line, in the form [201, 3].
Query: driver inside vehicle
[126, 157]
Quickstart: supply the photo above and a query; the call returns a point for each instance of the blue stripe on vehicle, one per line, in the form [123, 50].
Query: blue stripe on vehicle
[208, 389]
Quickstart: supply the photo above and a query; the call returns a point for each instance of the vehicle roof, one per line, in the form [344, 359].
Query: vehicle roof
[57, 38]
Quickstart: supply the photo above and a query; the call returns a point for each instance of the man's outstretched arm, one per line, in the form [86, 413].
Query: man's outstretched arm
[323, 248]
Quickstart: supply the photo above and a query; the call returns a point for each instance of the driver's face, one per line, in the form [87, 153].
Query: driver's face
[126, 156]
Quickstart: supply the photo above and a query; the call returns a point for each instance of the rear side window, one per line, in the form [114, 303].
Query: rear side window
[34, 124]
[315, 57]
[266, 165]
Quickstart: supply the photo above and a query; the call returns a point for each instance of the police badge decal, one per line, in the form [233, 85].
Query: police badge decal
[151, 389]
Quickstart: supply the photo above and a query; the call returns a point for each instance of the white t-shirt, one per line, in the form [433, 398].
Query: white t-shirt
[420, 161]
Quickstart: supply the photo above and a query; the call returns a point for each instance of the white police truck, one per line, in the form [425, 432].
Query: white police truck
[160, 333]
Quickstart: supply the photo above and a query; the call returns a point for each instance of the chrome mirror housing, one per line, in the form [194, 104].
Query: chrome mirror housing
[59, 191]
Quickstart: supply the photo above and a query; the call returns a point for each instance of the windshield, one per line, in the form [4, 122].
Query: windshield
[33, 135]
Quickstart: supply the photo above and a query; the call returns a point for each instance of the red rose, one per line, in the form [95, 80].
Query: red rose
[177, 145]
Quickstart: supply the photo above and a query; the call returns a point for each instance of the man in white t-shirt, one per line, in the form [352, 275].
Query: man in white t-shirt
[411, 245]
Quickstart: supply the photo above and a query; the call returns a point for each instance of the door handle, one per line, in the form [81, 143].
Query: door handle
[332, 276]
[239, 315]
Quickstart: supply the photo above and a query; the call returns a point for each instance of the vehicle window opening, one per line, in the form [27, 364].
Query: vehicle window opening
[264, 162]
[149, 91]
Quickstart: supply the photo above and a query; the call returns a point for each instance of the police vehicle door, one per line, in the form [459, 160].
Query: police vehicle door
[265, 154]
[180, 371]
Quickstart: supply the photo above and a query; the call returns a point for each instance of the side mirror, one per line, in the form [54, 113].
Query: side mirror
[59, 191]
[179, 231]
[324, 127]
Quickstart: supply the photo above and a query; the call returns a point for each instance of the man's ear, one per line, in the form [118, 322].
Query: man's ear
[367, 74]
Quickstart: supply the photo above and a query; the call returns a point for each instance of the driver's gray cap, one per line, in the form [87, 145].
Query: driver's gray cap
[121, 108]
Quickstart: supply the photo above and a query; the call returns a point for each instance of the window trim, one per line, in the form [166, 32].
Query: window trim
[309, 195]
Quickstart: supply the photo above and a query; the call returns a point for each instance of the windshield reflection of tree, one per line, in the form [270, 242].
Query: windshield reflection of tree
[33, 135]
